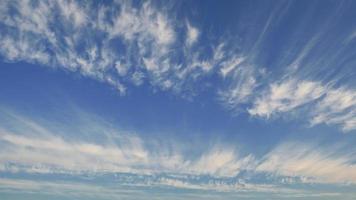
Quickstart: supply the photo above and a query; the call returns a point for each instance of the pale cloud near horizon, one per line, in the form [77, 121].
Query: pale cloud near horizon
[37, 149]
[308, 160]
[33, 148]
[89, 190]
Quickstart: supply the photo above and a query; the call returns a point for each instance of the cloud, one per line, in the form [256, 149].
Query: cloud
[132, 44]
[122, 44]
[30, 147]
[116, 44]
[88, 190]
[221, 162]
[351, 37]
[51, 153]
[286, 96]
[67, 189]
[229, 65]
[306, 160]
[241, 82]
[34, 148]
[329, 105]
[337, 107]
[104, 160]
[192, 34]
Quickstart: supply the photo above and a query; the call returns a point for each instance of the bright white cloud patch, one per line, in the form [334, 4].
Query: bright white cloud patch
[327, 104]
[192, 34]
[286, 96]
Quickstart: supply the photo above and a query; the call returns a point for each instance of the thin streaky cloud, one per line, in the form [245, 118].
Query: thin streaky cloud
[177, 100]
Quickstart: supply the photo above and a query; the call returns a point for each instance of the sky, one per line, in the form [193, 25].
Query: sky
[177, 99]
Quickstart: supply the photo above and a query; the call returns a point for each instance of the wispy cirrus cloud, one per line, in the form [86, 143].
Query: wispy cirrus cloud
[300, 159]
[34, 148]
[119, 44]
[329, 105]
[128, 44]
[338, 107]
[29, 147]
[286, 96]
[242, 81]
[192, 34]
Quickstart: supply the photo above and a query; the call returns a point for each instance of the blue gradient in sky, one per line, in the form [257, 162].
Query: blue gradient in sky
[177, 100]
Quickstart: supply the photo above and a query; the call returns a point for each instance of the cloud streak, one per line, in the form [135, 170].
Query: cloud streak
[329, 105]
[33, 148]
[119, 44]
[298, 159]
[133, 44]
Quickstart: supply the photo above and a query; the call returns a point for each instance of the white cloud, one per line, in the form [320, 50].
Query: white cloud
[32, 148]
[286, 96]
[133, 162]
[129, 191]
[50, 153]
[22, 46]
[338, 107]
[73, 13]
[300, 159]
[229, 65]
[127, 44]
[137, 78]
[192, 34]
[328, 104]
[222, 162]
[117, 44]
[121, 68]
[242, 80]
[107, 43]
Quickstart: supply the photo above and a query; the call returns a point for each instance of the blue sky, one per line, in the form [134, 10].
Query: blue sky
[177, 100]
